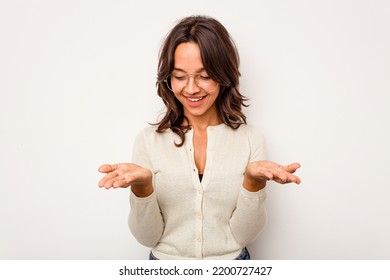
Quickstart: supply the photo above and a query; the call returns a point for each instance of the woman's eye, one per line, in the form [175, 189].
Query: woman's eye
[180, 78]
[204, 78]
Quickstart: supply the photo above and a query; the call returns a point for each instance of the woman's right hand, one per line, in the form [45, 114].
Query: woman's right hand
[124, 175]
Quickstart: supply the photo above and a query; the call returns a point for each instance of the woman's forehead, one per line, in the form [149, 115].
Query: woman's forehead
[188, 58]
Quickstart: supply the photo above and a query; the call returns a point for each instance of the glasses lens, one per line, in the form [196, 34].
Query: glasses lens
[178, 81]
[205, 82]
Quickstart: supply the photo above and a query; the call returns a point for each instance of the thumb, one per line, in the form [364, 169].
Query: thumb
[106, 168]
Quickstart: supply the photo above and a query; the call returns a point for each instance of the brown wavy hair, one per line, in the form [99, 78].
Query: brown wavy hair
[220, 60]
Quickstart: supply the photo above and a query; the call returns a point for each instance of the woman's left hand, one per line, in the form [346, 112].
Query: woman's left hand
[259, 172]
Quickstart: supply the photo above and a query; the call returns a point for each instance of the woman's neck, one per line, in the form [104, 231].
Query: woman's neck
[202, 123]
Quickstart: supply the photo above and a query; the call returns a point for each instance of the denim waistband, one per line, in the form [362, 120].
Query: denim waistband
[243, 256]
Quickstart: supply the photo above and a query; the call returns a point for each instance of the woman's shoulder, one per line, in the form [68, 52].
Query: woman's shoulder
[150, 134]
[148, 130]
[249, 130]
[253, 134]
[152, 130]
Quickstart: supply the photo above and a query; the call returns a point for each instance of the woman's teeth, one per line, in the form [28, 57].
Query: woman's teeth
[195, 99]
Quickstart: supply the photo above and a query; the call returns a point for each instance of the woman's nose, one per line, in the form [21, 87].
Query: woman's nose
[191, 87]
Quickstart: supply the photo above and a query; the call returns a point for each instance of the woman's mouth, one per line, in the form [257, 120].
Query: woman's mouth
[195, 99]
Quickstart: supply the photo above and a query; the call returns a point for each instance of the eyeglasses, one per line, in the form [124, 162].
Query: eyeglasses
[178, 80]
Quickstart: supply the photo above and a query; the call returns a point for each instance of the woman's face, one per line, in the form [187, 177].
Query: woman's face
[192, 86]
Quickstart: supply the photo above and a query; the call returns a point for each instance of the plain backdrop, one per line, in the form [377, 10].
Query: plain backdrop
[77, 83]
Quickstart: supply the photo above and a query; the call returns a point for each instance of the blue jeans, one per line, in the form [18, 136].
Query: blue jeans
[243, 256]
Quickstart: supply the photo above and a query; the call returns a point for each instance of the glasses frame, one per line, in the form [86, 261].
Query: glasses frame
[188, 75]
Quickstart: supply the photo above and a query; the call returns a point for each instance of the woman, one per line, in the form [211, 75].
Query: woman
[198, 177]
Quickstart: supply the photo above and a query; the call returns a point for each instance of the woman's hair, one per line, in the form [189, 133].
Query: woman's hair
[220, 60]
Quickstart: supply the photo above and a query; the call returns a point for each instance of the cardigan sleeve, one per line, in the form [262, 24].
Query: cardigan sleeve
[249, 217]
[145, 219]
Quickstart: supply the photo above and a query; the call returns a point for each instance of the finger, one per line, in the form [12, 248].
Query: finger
[108, 177]
[105, 183]
[288, 179]
[120, 183]
[101, 183]
[291, 168]
[281, 177]
[296, 180]
[132, 179]
[293, 179]
[113, 183]
[107, 168]
[123, 181]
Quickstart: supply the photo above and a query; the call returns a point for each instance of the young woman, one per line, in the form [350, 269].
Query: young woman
[198, 177]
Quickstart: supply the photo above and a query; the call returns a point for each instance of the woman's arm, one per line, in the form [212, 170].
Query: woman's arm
[145, 220]
[249, 217]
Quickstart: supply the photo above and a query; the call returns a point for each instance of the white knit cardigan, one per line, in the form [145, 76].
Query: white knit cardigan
[185, 218]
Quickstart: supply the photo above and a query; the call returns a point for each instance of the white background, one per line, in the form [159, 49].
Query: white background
[77, 82]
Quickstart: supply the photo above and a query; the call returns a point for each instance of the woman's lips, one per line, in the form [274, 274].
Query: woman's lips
[195, 99]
